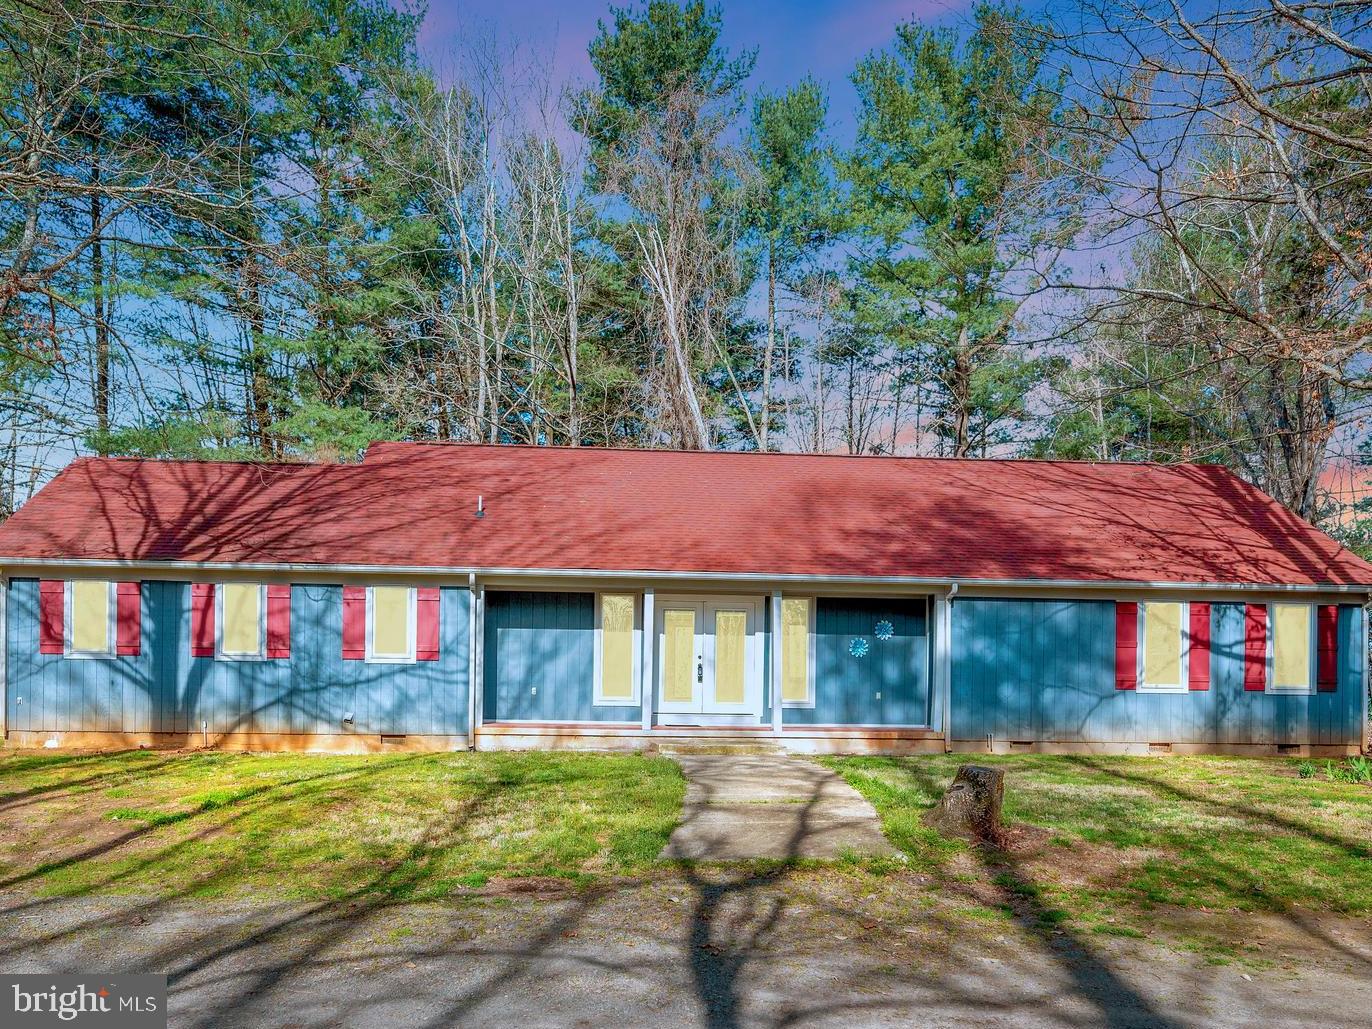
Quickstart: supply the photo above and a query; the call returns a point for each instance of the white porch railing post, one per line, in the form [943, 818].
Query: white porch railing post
[4, 649]
[943, 663]
[478, 674]
[648, 652]
[472, 645]
[776, 662]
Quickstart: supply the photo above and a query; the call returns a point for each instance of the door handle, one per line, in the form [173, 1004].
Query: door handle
[700, 670]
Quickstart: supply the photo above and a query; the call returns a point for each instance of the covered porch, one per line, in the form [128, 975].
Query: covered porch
[806, 667]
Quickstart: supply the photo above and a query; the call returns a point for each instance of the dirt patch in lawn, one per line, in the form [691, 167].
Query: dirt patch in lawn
[44, 838]
[1047, 857]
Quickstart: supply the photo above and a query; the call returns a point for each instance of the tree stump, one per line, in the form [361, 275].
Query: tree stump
[970, 809]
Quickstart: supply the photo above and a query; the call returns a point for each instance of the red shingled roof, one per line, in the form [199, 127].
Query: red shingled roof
[564, 508]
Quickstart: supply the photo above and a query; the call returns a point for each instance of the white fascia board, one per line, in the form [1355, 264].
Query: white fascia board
[926, 583]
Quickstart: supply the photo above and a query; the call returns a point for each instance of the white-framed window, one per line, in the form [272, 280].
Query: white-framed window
[392, 624]
[89, 615]
[618, 649]
[1291, 651]
[797, 651]
[1164, 646]
[240, 621]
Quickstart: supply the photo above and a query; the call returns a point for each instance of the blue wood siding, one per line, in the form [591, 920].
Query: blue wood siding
[1044, 670]
[540, 660]
[889, 685]
[164, 689]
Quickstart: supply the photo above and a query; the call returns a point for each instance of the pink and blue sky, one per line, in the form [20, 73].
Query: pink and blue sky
[822, 38]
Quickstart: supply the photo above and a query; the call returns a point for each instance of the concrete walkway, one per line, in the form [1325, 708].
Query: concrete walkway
[740, 807]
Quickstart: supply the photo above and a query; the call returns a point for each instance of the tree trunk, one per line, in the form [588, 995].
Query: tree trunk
[960, 395]
[573, 337]
[771, 346]
[259, 414]
[694, 435]
[443, 422]
[971, 808]
[819, 404]
[102, 323]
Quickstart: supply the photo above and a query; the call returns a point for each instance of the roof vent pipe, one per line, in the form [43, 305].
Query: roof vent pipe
[480, 506]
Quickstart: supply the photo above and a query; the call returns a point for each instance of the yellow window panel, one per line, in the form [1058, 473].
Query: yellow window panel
[617, 646]
[731, 637]
[391, 621]
[90, 617]
[242, 632]
[795, 649]
[678, 656]
[1291, 646]
[1162, 644]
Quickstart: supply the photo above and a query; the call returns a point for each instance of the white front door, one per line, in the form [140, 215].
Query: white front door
[709, 656]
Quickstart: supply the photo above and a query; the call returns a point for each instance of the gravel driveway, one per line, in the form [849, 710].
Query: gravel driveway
[687, 948]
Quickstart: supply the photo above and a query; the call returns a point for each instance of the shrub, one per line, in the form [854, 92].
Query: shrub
[1360, 769]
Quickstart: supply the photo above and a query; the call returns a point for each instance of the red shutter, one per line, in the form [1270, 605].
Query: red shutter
[202, 619]
[1199, 669]
[128, 618]
[1327, 636]
[52, 600]
[1126, 646]
[1255, 648]
[279, 619]
[426, 623]
[354, 623]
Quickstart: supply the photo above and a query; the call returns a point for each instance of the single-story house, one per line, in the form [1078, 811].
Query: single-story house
[439, 596]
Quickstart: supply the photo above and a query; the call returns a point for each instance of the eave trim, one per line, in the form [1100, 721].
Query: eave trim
[465, 572]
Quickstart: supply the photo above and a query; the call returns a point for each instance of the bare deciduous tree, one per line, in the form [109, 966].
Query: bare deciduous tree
[1240, 162]
[673, 175]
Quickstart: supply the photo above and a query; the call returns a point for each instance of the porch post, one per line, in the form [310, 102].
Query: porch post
[471, 660]
[648, 653]
[4, 652]
[478, 675]
[943, 663]
[776, 662]
[1361, 639]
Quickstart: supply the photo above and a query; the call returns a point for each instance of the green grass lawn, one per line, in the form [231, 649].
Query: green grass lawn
[1103, 843]
[1101, 833]
[402, 826]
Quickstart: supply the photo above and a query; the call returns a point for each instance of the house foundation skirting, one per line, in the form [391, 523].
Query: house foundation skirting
[623, 737]
[1155, 749]
[318, 743]
[629, 738]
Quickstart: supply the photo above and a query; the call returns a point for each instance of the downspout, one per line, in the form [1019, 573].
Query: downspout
[471, 661]
[947, 670]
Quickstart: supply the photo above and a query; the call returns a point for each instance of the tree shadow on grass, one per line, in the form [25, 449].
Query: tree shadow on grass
[1114, 1000]
[1227, 807]
[736, 915]
[725, 945]
[125, 770]
[1238, 874]
[283, 792]
[300, 936]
